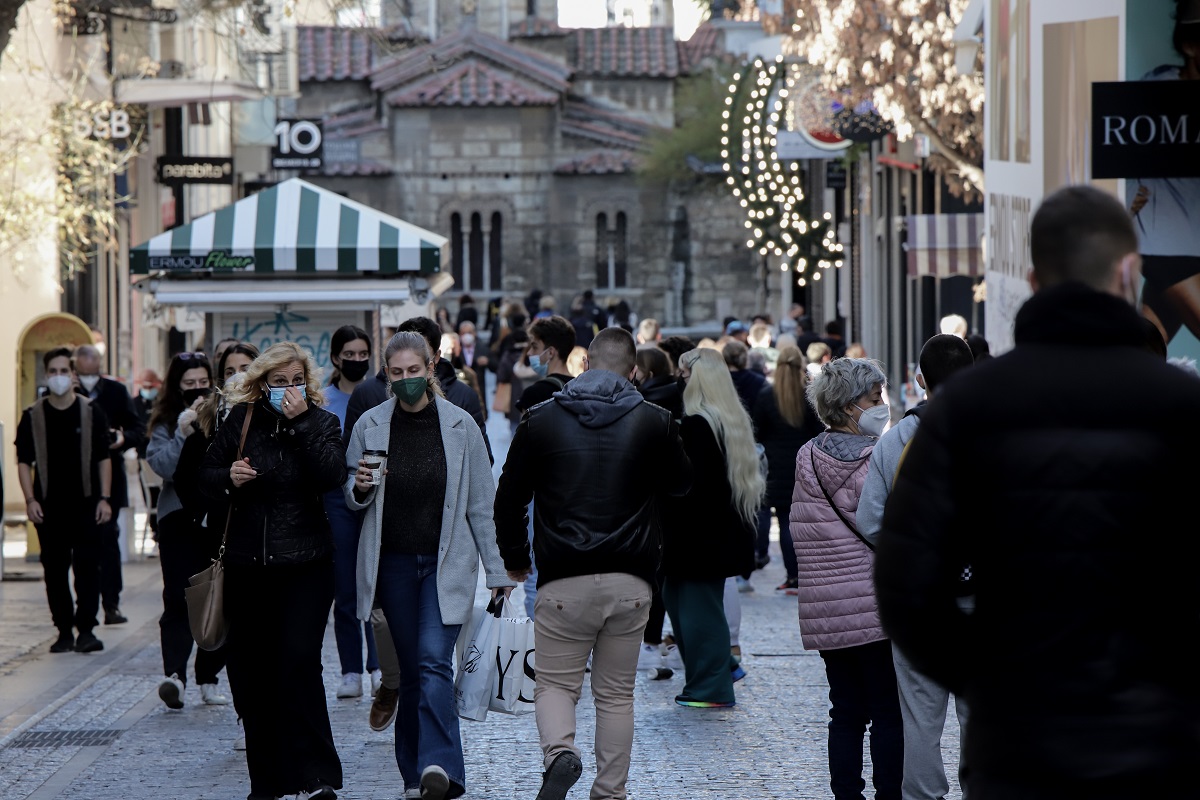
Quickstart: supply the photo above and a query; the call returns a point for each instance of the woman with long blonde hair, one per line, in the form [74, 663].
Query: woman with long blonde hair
[708, 535]
[783, 422]
[279, 567]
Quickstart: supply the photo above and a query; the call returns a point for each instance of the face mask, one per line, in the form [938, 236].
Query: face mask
[354, 371]
[541, 364]
[59, 384]
[874, 419]
[409, 390]
[149, 394]
[190, 395]
[467, 340]
[89, 382]
[275, 395]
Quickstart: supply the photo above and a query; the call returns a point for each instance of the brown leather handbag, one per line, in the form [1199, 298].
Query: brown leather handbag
[206, 590]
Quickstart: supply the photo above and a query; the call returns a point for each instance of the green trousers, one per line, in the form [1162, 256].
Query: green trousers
[697, 612]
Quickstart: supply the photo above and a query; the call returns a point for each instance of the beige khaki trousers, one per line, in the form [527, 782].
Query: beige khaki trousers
[604, 616]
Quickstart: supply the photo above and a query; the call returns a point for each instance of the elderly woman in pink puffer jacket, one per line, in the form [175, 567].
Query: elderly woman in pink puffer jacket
[838, 616]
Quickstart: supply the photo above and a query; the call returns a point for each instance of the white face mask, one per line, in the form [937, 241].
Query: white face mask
[873, 420]
[59, 384]
[89, 382]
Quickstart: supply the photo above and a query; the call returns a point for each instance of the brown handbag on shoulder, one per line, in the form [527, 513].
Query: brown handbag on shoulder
[502, 399]
[206, 591]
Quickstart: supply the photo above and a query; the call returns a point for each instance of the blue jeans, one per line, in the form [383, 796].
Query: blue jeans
[347, 629]
[427, 720]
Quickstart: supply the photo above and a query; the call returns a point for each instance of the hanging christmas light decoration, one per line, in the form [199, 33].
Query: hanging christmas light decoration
[778, 221]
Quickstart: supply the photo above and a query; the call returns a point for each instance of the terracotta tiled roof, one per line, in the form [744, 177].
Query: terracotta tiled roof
[624, 52]
[584, 120]
[352, 123]
[473, 82]
[470, 43]
[535, 27]
[706, 42]
[333, 54]
[599, 162]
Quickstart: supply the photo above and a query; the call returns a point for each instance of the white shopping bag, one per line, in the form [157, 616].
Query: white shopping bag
[476, 649]
[515, 675]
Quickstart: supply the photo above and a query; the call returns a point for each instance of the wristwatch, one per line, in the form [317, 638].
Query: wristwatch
[105, 498]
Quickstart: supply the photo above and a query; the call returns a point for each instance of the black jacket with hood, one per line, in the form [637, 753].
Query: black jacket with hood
[597, 458]
[1063, 496]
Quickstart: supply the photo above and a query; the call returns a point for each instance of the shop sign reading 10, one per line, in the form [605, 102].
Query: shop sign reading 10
[299, 144]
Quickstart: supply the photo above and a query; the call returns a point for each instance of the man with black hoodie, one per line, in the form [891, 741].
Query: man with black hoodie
[595, 460]
[1063, 497]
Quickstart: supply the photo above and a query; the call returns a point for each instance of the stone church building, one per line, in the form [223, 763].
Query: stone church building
[519, 141]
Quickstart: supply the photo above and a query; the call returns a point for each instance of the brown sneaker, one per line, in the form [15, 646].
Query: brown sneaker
[383, 708]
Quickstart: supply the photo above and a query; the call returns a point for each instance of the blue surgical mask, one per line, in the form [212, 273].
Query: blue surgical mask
[275, 395]
[541, 364]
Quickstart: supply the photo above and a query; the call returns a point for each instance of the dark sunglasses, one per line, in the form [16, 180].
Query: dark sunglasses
[191, 356]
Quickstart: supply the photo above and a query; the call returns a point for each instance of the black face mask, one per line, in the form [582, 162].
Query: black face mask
[190, 395]
[354, 371]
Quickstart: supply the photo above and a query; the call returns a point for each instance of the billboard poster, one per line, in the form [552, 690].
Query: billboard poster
[1163, 45]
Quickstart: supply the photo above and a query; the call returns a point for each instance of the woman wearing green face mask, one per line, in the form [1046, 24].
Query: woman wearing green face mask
[420, 560]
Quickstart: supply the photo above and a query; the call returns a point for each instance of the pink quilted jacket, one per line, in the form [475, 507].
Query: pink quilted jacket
[837, 596]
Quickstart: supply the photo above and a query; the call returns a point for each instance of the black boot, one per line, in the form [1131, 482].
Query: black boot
[88, 643]
[64, 644]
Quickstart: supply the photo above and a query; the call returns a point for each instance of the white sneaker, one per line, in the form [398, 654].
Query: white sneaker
[212, 696]
[650, 661]
[239, 743]
[351, 685]
[170, 691]
[672, 660]
[435, 783]
[376, 682]
[412, 794]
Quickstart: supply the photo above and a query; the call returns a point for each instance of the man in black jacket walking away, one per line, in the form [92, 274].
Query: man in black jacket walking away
[595, 460]
[1062, 498]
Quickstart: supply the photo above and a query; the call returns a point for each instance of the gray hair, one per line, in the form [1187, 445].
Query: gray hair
[839, 384]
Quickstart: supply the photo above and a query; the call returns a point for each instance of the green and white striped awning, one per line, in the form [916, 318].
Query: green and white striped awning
[293, 228]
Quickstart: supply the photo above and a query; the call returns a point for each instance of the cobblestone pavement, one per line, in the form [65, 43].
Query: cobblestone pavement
[102, 734]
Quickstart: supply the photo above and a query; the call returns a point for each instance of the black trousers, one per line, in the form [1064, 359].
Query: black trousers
[277, 617]
[111, 583]
[184, 548]
[862, 692]
[70, 543]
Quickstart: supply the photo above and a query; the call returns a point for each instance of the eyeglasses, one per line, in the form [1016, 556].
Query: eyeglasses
[191, 356]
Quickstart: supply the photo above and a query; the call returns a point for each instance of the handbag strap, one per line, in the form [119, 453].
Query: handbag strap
[241, 447]
[813, 458]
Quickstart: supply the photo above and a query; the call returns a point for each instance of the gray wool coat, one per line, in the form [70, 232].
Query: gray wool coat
[468, 532]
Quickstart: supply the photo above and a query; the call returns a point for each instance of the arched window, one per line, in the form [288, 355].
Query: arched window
[611, 252]
[477, 253]
[456, 249]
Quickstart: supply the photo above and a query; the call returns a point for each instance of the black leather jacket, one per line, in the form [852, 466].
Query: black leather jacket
[598, 458]
[279, 517]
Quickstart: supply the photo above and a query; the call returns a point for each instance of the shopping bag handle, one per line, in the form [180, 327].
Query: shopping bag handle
[495, 606]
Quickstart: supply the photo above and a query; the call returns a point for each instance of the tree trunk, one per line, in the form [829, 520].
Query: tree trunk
[8, 21]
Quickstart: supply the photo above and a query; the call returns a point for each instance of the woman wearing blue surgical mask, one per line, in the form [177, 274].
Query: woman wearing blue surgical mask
[838, 614]
[279, 567]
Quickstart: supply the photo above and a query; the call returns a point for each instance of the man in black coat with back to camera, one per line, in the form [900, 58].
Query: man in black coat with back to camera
[1062, 497]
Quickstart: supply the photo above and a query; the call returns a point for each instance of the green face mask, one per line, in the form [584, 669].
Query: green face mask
[409, 390]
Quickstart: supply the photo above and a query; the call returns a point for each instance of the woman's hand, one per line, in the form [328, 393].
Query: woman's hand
[241, 473]
[362, 478]
[293, 403]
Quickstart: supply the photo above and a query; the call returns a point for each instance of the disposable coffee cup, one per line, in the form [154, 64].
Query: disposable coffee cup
[376, 461]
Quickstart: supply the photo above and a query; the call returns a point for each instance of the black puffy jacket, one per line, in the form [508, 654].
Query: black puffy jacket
[279, 517]
[598, 458]
[1064, 496]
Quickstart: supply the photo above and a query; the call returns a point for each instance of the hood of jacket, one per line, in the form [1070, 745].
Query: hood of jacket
[599, 398]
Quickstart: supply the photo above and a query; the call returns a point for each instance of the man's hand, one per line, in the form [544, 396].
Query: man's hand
[33, 510]
[506, 591]
[519, 576]
[103, 512]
